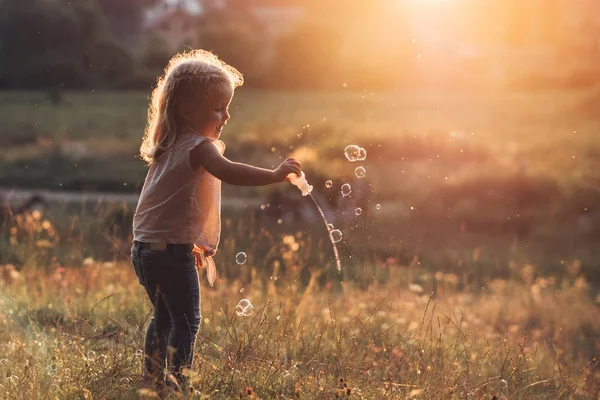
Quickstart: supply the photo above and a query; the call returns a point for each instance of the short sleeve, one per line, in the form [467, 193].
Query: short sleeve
[197, 140]
[219, 144]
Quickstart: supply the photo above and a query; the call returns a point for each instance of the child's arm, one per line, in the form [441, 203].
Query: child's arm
[206, 155]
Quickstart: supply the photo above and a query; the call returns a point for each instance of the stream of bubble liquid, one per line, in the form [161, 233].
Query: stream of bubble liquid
[335, 250]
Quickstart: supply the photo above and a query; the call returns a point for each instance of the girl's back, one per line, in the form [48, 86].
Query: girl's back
[177, 204]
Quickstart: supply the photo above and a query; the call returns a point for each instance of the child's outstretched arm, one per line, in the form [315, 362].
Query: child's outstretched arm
[206, 155]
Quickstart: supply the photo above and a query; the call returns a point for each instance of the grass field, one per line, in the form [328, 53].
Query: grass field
[484, 167]
[477, 276]
[392, 330]
[89, 140]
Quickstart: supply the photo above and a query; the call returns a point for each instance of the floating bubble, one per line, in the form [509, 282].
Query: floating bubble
[328, 184]
[336, 235]
[352, 152]
[346, 189]
[378, 207]
[244, 308]
[358, 211]
[241, 258]
[330, 227]
[242, 290]
[360, 172]
[362, 154]
[355, 153]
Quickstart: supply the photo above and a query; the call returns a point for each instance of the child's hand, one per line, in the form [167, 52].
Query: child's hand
[287, 167]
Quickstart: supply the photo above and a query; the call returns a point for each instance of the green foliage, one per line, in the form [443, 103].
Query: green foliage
[156, 56]
[48, 44]
[237, 38]
[125, 18]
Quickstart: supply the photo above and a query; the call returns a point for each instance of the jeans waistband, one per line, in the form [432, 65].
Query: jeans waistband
[175, 248]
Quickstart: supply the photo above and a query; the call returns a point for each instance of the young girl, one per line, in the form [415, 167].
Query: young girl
[177, 223]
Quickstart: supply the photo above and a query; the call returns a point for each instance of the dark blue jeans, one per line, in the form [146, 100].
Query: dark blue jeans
[171, 281]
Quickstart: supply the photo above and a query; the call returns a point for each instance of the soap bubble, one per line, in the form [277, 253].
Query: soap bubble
[360, 172]
[378, 207]
[362, 154]
[355, 153]
[336, 235]
[244, 308]
[358, 211]
[346, 189]
[241, 257]
[328, 184]
[352, 152]
[330, 227]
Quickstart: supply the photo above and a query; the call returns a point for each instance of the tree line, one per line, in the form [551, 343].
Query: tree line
[76, 44]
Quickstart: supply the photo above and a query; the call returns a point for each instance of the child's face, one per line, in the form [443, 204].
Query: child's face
[212, 111]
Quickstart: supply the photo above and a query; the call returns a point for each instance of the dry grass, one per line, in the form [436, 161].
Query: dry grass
[69, 332]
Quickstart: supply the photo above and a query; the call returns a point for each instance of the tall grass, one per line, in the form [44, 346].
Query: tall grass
[399, 330]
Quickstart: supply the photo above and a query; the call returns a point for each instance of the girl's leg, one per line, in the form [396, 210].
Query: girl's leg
[157, 332]
[157, 335]
[171, 281]
[183, 302]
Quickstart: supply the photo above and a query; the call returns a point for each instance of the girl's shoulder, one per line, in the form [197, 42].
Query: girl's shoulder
[220, 145]
[187, 140]
[190, 141]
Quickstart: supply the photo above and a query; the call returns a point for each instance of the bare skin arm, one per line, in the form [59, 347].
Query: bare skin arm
[206, 155]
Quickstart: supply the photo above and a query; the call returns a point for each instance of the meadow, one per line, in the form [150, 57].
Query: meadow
[477, 275]
[392, 330]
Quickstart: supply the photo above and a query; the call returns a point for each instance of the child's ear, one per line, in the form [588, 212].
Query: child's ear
[185, 111]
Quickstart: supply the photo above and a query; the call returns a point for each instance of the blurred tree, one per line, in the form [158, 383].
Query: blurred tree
[125, 18]
[51, 43]
[157, 54]
[230, 30]
[307, 57]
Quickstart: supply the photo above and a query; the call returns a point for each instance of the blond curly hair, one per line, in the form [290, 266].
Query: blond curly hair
[187, 75]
